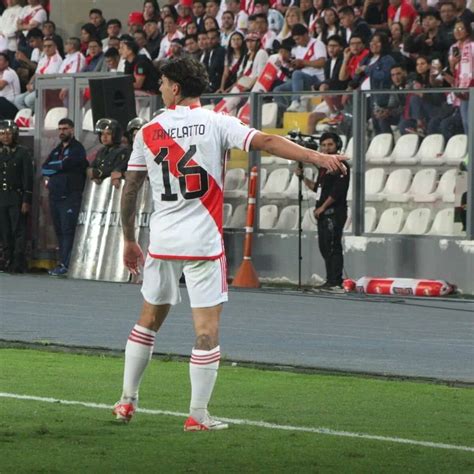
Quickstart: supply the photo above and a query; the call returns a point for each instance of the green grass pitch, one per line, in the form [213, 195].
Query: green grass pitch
[40, 437]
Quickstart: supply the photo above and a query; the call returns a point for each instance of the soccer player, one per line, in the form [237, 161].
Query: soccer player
[182, 150]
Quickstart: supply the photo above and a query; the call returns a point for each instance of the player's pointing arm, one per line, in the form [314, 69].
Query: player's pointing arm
[282, 147]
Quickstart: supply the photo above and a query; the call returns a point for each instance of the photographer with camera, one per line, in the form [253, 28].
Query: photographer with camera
[330, 212]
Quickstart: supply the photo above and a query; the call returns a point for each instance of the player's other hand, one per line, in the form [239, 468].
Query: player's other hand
[133, 257]
[333, 163]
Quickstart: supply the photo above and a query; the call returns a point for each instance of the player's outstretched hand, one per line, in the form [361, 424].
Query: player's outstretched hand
[133, 257]
[333, 163]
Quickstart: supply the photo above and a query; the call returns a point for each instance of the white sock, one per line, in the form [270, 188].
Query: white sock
[138, 353]
[203, 373]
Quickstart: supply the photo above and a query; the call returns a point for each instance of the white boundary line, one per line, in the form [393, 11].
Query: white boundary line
[259, 424]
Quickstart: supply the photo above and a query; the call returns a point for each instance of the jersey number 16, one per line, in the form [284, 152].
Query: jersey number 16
[184, 171]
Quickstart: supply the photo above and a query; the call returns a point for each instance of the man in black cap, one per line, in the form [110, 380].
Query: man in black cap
[16, 192]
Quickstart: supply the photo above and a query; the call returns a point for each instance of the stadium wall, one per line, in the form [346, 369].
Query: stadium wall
[70, 15]
[275, 257]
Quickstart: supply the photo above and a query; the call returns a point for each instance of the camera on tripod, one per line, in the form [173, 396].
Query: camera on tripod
[302, 139]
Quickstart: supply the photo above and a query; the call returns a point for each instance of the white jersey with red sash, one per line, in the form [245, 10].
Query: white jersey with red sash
[315, 49]
[37, 14]
[72, 63]
[183, 150]
[165, 46]
[464, 69]
[49, 64]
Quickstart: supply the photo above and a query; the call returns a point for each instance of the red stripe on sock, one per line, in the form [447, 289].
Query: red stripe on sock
[205, 357]
[139, 341]
[143, 334]
[194, 362]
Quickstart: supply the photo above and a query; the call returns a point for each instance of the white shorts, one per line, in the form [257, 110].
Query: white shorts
[206, 281]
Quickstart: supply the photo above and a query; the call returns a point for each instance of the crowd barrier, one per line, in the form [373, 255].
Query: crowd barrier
[98, 244]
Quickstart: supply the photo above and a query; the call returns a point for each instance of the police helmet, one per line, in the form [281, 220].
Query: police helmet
[10, 125]
[113, 126]
[332, 136]
[134, 125]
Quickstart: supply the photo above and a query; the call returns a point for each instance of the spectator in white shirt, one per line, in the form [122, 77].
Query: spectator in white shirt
[74, 60]
[171, 32]
[241, 19]
[261, 26]
[49, 63]
[114, 28]
[309, 60]
[227, 28]
[9, 89]
[8, 23]
[31, 16]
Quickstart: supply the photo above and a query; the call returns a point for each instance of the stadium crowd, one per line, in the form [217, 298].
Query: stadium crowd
[264, 45]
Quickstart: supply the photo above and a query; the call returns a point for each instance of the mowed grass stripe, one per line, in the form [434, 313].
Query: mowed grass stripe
[258, 424]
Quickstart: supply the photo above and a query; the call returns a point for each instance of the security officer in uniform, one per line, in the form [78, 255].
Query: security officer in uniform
[331, 213]
[16, 193]
[132, 128]
[111, 160]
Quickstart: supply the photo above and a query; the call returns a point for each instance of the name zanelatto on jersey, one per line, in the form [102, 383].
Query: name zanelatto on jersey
[182, 132]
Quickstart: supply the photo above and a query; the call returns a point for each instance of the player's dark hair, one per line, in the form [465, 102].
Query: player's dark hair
[97, 11]
[5, 57]
[190, 74]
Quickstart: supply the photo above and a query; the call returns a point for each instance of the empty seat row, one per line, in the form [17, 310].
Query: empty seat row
[399, 186]
[392, 221]
[402, 186]
[409, 151]
[281, 184]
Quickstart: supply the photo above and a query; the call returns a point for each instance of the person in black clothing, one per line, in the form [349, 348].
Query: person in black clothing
[433, 42]
[330, 212]
[16, 192]
[97, 19]
[65, 171]
[395, 111]
[145, 75]
[216, 60]
[447, 12]
[153, 37]
[111, 160]
[351, 25]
